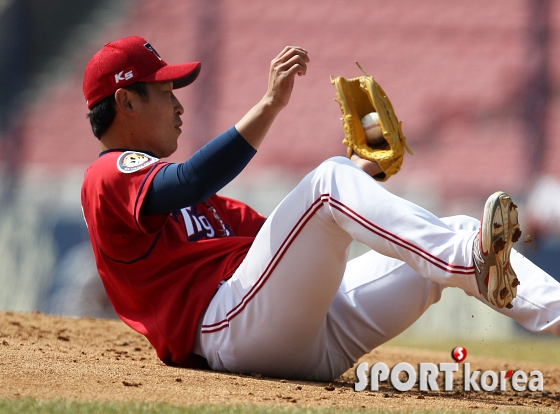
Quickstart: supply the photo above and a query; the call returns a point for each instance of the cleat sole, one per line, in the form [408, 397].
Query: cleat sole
[503, 293]
[516, 235]
[499, 245]
[497, 281]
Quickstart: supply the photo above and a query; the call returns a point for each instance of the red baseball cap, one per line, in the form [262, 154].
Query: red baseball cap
[130, 60]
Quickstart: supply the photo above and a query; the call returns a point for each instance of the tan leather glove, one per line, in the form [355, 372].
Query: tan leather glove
[358, 97]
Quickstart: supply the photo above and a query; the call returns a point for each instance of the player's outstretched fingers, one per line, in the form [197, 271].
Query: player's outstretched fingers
[287, 67]
[295, 65]
[290, 56]
[289, 51]
[291, 61]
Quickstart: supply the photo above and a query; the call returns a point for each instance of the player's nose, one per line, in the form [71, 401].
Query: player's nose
[178, 107]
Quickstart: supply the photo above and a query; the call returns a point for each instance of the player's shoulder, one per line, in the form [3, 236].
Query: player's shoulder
[118, 162]
[126, 162]
[119, 169]
[131, 161]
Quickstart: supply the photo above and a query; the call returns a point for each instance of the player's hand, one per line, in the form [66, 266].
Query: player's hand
[290, 62]
[369, 167]
[255, 124]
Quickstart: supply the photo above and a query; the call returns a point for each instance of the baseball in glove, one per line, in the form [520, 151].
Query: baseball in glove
[359, 97]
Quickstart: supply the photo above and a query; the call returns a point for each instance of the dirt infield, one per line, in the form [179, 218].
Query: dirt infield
[49, 357]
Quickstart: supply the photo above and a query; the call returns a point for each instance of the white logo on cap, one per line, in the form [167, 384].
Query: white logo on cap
[119, 76]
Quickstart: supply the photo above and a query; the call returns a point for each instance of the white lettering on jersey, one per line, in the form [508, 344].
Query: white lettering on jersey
[206, 224]
[198, 226]
[195, 224]
[188, 222]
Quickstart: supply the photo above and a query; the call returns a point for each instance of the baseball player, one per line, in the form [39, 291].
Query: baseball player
[210, 282]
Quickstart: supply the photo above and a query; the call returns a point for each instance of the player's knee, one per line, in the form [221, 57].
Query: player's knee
[462, 222]
[330, 165]
[333, 169]
[335, 166]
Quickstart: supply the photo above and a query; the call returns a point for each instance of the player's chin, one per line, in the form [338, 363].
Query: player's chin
[168, 150]
[174, 142]
[172, 149]
[178, 131]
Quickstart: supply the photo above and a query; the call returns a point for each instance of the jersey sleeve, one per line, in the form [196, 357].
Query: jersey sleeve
[243, 219]
[122, 188]
[112, 193]
[153, 223]
[205, 173]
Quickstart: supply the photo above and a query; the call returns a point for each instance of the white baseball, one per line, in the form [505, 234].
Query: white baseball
[372, 128]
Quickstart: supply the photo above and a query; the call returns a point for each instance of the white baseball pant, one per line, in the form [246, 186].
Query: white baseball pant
[296, 309]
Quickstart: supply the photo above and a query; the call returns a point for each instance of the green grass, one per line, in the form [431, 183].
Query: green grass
[530, 348]
[30, 405]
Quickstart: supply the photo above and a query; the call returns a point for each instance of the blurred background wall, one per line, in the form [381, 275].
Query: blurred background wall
[476, 84]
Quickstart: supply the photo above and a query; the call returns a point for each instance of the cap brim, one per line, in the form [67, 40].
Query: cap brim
[181, 74]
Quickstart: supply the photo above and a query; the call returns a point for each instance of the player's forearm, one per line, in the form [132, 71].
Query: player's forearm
[256, 123]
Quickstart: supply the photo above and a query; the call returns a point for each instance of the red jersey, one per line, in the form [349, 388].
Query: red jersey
[160, 272]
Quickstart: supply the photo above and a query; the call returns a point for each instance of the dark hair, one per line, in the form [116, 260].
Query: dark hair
[103, 113]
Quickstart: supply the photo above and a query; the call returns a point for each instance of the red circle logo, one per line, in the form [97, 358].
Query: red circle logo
[459, 353]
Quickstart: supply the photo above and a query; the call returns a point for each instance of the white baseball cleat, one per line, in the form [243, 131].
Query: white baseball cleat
[499, 230]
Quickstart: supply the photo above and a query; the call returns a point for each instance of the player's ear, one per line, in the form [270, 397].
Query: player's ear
[125, 101]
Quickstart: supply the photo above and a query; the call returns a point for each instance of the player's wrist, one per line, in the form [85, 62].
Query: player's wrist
[369, 167]
[269, 104]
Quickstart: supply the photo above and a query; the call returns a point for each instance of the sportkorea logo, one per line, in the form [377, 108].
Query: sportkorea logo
[427, 373]
[131, 161]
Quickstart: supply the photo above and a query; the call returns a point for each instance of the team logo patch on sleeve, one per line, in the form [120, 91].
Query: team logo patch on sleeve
[131, 161]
